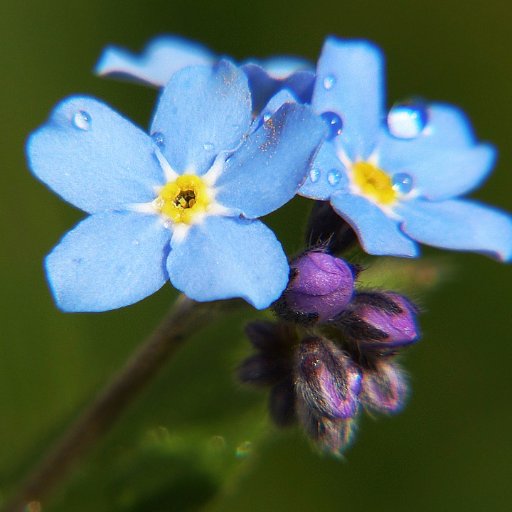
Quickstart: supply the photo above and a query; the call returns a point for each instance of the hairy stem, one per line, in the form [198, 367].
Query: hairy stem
[185, 317]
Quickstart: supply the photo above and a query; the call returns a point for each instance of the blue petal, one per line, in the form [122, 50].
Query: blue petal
[350, 83]
[301, 84]
[161, 58]
[377, 233]
[282, 66]
[202, 111]
[109, 260]
[459, 225]
[327, 175]
[438, 172]
[93, 157]
[447, 126]
[266, 82]
[261, 84]
[267, 170]
[227, 257]
[443, 159]
[277, 101]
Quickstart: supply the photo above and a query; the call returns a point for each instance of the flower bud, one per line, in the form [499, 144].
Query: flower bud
[331, 435]
[281, 403]
[327, 382]
[328, 230]
[272, 362]
[271, 337]
[261, 370]
[320, 288]
[380, 320]
[384, 388]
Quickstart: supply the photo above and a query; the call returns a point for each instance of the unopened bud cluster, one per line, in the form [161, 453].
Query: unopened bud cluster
[333, 351]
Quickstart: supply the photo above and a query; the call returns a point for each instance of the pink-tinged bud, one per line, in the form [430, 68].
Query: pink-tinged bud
[327, 382]
[320, 288]
[384, 388]
[381, 321]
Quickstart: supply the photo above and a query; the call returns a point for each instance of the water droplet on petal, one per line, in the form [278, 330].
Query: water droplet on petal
[329, 82]
[208, 146]
[314, 175]
[334, 177]
[82, 120]
[402, 182]
[158, 139]
[407, 120]
[334, 124]
[266, 116]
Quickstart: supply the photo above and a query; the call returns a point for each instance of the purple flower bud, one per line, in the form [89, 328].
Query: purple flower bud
[327, 382]
[380, 320]
[384, 388]
[320, 288]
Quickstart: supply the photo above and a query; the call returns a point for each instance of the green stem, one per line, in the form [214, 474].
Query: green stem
[185, 318]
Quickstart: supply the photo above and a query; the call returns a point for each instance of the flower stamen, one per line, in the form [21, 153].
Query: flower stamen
[182, 199]
[374, 183]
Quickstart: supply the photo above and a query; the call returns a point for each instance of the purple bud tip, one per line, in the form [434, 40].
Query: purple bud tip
[327, 381]
[382, 320]
[322, 285]
[384, 388]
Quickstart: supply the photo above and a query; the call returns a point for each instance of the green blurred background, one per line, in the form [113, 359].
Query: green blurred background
[196, 440]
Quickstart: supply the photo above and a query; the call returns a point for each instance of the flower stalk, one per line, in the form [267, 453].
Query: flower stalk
[185, 318]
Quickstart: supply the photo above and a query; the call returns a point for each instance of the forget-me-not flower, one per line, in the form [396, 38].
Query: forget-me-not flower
[181, 204]
[164, 55]
[398, 182]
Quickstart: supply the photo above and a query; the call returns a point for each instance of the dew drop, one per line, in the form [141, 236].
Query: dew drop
[266, 116]
[334, 177]
[314, 175]
[158, 139]
[82, 120]
[207, 146]
[402, 182]
[334, 124]
[407, 120]
[329, 82]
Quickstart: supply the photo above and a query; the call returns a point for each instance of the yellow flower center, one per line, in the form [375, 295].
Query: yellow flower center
[183, 198]
[374, 183]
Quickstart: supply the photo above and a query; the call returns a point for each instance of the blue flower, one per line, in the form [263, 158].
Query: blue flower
[181, 204]
[165, 55]
[399, 182]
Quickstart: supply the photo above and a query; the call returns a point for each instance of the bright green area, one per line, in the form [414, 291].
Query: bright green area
[184, 445]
